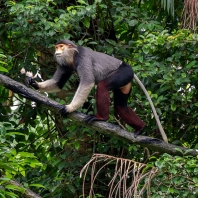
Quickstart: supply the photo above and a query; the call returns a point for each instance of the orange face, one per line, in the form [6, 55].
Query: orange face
[60, 48]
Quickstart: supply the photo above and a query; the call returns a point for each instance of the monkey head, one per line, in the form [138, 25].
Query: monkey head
[64, 52]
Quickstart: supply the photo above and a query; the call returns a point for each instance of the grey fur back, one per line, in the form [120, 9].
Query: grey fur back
[95, 66]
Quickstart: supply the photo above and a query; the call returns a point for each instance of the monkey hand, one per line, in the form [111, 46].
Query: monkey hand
[63, 110]
[31, 82]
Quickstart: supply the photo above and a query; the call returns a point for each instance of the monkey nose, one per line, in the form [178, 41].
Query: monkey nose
[58, 54]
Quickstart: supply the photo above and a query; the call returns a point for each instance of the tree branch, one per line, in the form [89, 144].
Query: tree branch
[28, 193]
[104, 127]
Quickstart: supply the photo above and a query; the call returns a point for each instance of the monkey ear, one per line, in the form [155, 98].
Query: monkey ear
[69, 45]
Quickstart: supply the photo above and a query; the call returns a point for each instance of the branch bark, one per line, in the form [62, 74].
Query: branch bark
[104, 127]
[28, 193]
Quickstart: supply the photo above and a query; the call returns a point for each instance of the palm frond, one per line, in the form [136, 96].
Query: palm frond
[169, 6]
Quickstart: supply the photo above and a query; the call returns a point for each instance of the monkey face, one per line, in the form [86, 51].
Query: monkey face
[64, 54]
[59, 49]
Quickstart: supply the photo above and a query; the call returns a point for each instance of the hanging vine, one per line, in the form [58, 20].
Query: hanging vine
[129, 179]
[190, 14]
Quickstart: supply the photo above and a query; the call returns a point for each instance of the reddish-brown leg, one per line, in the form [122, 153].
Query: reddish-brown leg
[125, 112]
[120, 82]
[102, 103]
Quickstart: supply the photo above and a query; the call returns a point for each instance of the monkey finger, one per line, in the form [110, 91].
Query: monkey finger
[34, 84]
[31, 82]
[28, 81]
[63, 111]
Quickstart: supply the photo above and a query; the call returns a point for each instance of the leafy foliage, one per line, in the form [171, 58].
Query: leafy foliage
[168, 67]
[44, 153]
[177, 177]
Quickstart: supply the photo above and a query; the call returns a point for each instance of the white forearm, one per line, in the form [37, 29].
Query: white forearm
[79, 97]
[48, 86]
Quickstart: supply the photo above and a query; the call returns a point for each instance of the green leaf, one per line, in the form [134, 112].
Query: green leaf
[173, 107]
[88, 8]
[32, 162]
[171, 190]
[3, 69]
[133, 22]
[103, 6]
[12, 187]
[61, 165]
[82, 2]
[178, 149]
[173, 170]
[3, 63]
[26, 154]
[5, 179]
[191, 64]
[86, 22]
[22, 170]
[110, 50]
[145, 49]
[141, 58]
[11, 194]
[159, 164]
[189, 150]
[183, 75]
[37, 185]
[77, 145]
[6, 167]
[2, 196]
[13, 152]
[164, 188]
[2, 56]
[71, 188]
[14, 133]
[195, 180]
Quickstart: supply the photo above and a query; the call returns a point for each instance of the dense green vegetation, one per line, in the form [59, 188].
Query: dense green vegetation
[46, 155]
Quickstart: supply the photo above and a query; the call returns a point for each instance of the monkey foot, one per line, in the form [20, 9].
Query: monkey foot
[136, 133]
[91, 118]
[63, 111]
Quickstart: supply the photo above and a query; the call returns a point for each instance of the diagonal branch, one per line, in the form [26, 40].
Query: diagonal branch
[27, 193]
[104, 127]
